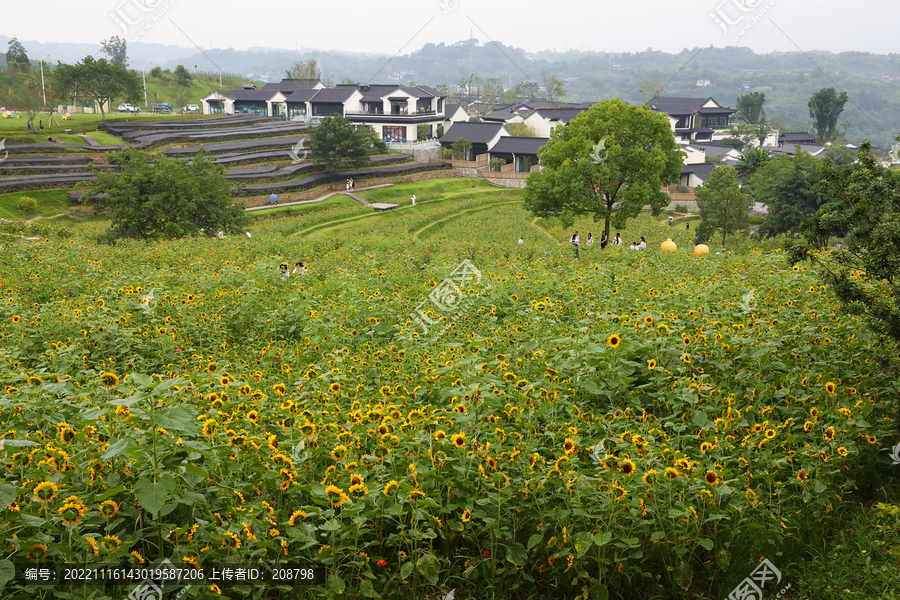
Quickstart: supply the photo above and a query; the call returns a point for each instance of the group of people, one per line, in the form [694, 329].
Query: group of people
[351, 185]
[575, 240]
[298, 269]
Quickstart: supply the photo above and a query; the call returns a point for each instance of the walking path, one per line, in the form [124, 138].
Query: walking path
[323, 198]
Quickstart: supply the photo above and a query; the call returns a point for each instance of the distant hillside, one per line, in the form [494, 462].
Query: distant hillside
[788, 79]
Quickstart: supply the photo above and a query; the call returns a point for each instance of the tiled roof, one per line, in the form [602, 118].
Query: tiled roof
[685, 106]
[477, 133]
[338, 94]
[519, 145]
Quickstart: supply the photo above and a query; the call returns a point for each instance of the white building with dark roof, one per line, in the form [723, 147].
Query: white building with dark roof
[695, 119]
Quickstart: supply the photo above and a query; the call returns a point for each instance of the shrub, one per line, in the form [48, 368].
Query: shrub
[26, 204]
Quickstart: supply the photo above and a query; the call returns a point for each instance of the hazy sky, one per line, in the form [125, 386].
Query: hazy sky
[386, 26]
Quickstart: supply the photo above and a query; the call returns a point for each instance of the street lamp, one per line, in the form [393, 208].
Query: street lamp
[43, 93]
[266, 77]
[220, 78]
[144, 77]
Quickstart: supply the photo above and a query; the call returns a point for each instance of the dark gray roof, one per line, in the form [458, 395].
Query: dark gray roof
[449, 109]
[421, 91]
[686, 106]
[796, 137]
[300, 95]
[701, 170]
[289, 85]
[477, 133]
[500, 116]
[563, 115]
[252, 95]
[712, 149]
[338, 94]
[519, 145]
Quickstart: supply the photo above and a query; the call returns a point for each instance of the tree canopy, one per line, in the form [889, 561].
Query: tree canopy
[723, 205]
[16, 54]
[116, 49]
[100, 80]
[167, 198]
[639, 158]
[307, 69]
[825, 106]
[183, 77]
[790, 188]
[334, 142]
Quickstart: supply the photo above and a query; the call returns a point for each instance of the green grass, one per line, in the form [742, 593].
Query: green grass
[287, 211]
[51, 205]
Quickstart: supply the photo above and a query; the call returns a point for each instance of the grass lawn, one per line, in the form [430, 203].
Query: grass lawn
[51, 205]
[338, 200]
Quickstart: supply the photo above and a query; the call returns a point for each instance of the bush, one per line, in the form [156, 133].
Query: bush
[26, 204]
[680, 208]
[497, 163]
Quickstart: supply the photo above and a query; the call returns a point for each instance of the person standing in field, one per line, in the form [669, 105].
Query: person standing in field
[575, 241]
[413, 199]
[604, 239]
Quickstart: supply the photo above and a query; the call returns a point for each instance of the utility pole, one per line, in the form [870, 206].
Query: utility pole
[144, 77]
[43, 93]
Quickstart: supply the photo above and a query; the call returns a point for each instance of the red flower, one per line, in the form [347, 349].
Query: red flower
[485, 553]
[381, 562]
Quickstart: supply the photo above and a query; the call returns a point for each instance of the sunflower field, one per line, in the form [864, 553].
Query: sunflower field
[629, 425]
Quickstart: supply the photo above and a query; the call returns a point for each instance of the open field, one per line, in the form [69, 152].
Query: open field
[630, 425]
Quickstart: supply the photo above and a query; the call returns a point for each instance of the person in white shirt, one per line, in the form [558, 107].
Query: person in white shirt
[617, 241]
[521, 241]
[589, 241]
[643, 244]
[576, 241]
[413, 199]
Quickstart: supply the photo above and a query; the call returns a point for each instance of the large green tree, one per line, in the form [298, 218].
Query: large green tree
[865, 275]
[611, 181]
[116, 49]
[825, 107]
[723, 204]
[751, 160]
[183, 77]
[16, 54]
[100, 80]
[790, 188]
[751, 113]
[334, 142]
[166, 198]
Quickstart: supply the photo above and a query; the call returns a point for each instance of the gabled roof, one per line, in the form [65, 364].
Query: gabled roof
[477, 133]
[519, 145]
[422, 91]
[563, 115]
[338, 94]
[300, 95]
[796, 137]
[701, 170]
[252, 95]
[711, 148]
[289, 85]
[687, 106]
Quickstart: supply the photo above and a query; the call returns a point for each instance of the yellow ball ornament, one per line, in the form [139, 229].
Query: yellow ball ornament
[668, 246]
[700, 249]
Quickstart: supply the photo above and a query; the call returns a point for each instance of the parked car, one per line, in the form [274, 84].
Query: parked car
[128, 108]
[191, 108]
[162, 107]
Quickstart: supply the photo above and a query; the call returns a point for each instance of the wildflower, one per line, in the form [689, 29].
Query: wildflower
[614, 340]
[829, 434]
[627, 467]
[36, 553]
[390, 487]
[466, 516]
[830, 387]
[297, 514]
[651, 364]
[109, 380]
[712, 478]
[45, 492]
[569, 446]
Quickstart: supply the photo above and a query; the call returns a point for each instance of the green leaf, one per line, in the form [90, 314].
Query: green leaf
[429, 566]
[367, 590]
[583, 542]
[700, 419]
[599, 592]
[7, 572]
[115, 449]
[33, 520]
[7, 495]
[534, 540]
[406, 570]
[657, 535]
[601, 539]
[723, 559]
[706, 543]
[153, 495]
[515, 553]
[683, 576]
[141, 379]
[336, 584]
[195, 470]
[176, 419]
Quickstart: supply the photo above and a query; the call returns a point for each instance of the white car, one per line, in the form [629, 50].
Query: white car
[191, 108]
[128, 108]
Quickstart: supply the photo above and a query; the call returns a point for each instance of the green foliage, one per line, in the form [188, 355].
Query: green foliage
[496, 163]
[723, 205]
[789, 187]
[16, 54]
[422, 132]
[750, 108]
[751, 161]
[334, 142]
[865, 276]
[447, 154]
[116, 49]
[462, 147]
[640, 157]
[825, 106]
[307, 69]
[156, 72]
[520, 130]
[26, 204]
[168, 198]
[98, 79]
[183, 77]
